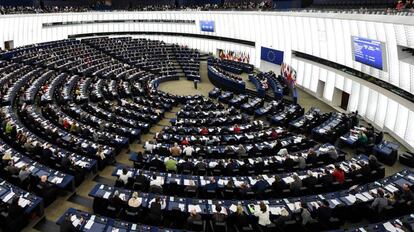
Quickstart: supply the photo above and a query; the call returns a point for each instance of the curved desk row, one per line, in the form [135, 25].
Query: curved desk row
[224, 82]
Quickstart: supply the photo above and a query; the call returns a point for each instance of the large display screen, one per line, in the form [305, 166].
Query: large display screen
[207, 25]
[369, 52]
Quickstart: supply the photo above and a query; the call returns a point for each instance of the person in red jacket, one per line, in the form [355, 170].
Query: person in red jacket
[66, 124]
[274, 134]
[185, 141]
[203, 131]
[236, 129]
[338, 174]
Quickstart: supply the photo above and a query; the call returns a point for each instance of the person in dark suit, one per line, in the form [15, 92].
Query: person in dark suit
[231, 166]
[67, 225]
[116, 201]
[278, 185]
[289, 163]
[187, 165]
[246, 167]
[157, 163]
[212, 185]
[200, 165]
[15, 210]
[14, 218]
[259, 165]
[65, 162]
[140, 157]
[218, 216]
[312, 156]
[353, 171]
[365, 169]
[260, 185]
[310, 181]
[296, 184]
[47, 153]
[46, 190]
[139, 178]
[194, 216]
[373, 162]
[326, 178]
[155, 212]
[324, 212]
[220, 166]
[407, 195]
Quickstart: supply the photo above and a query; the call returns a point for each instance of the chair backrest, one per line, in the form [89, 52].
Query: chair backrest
[197, 225]
[220, 226]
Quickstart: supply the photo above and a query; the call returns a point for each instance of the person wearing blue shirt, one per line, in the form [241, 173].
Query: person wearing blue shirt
[261, 184]
[212, 185]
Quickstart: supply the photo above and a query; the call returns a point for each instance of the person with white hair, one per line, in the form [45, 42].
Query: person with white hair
[301, 162]
[283, 152]
[333, 154]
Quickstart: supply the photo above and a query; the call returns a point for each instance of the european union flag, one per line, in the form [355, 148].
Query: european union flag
[271, 55]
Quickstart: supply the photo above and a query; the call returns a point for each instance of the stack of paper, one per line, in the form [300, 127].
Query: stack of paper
[275, 210]
[23, 202]
[194, 207]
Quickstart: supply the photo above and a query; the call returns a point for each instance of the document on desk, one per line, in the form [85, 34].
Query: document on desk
[197, 208]
[351, 199]
[20, 164]
[106, 195]
[251, 161]
[252, 181]
[389, 227]
[187, 182]
[89, 224]
[297, 140]
[76, 222]
[233, 208]
[270, 180]
[367, 195]
[181, 206]
[275, 210]
[57, 180]
[23, 202]
[391, 188]
[8, 197]
[361, 197]
[222, 182]
[288, 180]
[294, 206]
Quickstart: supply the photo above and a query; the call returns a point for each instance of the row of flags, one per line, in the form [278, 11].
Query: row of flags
[235, 56]
[289, 74]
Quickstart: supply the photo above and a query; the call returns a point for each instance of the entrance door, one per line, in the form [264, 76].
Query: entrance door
[345, 100]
